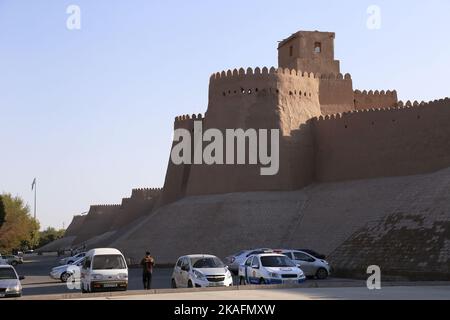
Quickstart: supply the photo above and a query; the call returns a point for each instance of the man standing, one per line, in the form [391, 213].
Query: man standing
[147, 267]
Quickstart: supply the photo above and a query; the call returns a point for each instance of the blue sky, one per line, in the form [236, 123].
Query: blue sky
[90, 112]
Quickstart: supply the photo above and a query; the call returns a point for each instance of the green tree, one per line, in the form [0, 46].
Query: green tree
[49, 235]
[2, 212]
[19, 230]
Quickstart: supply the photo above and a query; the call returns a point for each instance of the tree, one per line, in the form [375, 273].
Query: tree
[20, 229]
[49, 235]
[2, 212]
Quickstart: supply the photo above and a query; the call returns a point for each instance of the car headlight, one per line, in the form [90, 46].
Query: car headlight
[13, 289]
[97, 277]
[199, 275]
[274, 275]
[123, 276]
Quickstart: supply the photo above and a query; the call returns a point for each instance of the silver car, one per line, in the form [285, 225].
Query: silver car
[311, 266]
[10, 285]
[64, 273]
[234, 261]
[13, 260]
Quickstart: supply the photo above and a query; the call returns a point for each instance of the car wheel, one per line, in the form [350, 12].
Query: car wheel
[190, 284]
[65, 277]
[174, 284]
[14, 263]
[322, 274]
[262, 281]
[242, 281]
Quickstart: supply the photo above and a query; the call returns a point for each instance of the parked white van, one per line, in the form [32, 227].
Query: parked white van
[104, 270]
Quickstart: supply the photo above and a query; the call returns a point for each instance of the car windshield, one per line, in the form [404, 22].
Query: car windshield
[109, 262]
[276, 262]
[210, 262]
[7, 274]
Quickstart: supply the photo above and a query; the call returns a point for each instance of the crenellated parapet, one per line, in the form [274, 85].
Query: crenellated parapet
[379, 99]
[260, 82]
[187, 121]
[400, 106]
[146, 193]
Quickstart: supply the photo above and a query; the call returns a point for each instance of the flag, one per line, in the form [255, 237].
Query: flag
[33, 184]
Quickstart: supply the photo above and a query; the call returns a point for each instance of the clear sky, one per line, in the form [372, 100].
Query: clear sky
[90, 112]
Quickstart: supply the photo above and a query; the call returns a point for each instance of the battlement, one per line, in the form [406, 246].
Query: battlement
[187, 117]
[409, 105]
[265, 71]
[261, 82]
[378, 99]
[145, 193]
[376, 93]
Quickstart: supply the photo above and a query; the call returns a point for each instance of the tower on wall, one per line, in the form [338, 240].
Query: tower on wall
[310, 51]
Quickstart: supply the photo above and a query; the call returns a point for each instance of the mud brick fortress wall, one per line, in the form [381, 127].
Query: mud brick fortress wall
[389, 142]
[360, 174]
[329, 131]
[102, 219]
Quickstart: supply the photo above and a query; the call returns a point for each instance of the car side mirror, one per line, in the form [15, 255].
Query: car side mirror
[21, 278]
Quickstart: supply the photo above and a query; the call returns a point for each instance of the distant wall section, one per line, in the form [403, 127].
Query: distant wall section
[402, 141]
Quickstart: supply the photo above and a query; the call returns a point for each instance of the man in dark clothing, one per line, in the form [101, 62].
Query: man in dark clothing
[147, 267]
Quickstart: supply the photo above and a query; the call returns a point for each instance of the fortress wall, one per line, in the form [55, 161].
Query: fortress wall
[142, 202]
[336, 93]
[375, 99]
[177, 175]
[75, 226]
[259, 99]
[384, 142]
[98, 221]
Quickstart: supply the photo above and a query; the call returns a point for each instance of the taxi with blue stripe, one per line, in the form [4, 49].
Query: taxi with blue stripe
[270, 268]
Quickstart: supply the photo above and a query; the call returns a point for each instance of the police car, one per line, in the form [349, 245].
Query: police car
[270, 268]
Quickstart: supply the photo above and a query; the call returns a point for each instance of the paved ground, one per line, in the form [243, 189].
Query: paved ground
[349, 293]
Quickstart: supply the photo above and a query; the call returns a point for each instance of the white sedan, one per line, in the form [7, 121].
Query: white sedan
[270, 268]
[64, 273]
[197, 271]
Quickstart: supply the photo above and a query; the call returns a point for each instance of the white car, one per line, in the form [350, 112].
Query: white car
[234, 261]
[104, 270]
[311, 266]
[199, 271]
[10, 285]
[270, 268]
[3, 261]
[63, 273]
[72, 259]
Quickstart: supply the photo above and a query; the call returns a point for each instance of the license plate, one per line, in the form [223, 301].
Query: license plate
[110, 285]
[216, 284]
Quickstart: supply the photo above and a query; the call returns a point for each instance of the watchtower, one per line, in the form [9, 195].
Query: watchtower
[310, 51]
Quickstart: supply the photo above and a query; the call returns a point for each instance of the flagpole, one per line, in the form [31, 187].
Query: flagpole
[35, 187]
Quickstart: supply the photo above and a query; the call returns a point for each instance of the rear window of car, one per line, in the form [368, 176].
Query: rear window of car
[108, 262]
[7, 274]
